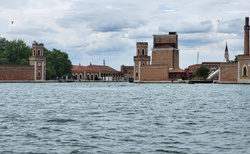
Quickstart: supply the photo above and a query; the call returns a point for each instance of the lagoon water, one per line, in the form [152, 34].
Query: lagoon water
[124, 118]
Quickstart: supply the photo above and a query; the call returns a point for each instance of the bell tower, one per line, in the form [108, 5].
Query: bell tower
[226, 54]
[140, 59]
[38, 61]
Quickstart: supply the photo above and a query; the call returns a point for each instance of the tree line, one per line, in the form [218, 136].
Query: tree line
[17, 52]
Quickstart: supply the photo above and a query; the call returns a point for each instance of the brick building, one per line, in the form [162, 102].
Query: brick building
[96, 72]
[165, 60]
[238, 72]
[35, 71]
[128, 71]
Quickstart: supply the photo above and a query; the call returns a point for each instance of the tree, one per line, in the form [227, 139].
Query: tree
[235, 59]
[58, 64]
[202, 72]
[16, 52]
[3, 43]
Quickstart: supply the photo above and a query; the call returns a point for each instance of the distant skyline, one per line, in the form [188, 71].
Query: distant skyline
[93, 31]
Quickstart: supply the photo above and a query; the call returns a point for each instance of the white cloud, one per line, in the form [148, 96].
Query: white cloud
[90, 31]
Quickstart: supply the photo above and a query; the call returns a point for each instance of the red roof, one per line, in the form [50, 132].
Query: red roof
[177, 70]
[102, 68]
[82, 68]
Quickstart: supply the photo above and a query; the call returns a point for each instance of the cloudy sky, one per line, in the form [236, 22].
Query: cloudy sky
[97, 30]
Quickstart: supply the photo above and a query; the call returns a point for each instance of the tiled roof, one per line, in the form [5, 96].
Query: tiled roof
[177, 70]
[82, 68]
[102, 68]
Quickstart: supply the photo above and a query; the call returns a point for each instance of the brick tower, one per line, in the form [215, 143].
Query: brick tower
[246, 36]
[38, 61]
[140, 59]
[244, 60]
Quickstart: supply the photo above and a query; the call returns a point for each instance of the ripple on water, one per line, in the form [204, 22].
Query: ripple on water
[124, 118]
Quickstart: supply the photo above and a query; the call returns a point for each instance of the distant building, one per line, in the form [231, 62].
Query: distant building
[96, 72]
[35, 71]
[165, 60]
[128, 71]
[238, 72]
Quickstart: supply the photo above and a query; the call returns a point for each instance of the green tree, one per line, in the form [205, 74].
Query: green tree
[58, 64]
[3, 43]
[4, 61]
[235, 59]
[202, 72]
[16, 51]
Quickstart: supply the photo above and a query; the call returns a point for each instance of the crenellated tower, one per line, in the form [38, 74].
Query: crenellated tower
[140, 59]
[38, 61]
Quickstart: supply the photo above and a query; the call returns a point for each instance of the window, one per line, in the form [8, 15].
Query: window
[244, 71]
[143, 64]
[136, 74]
[143, 52]
[38, 52]
[38, 74]
[80, 76]
[138, 52]
[34, 52]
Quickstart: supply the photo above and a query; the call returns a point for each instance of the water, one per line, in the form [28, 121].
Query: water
[124, 118]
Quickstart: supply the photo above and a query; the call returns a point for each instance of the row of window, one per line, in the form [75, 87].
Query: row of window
[143, 52]
[39, 53]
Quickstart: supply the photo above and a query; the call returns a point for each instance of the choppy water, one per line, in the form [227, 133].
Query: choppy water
[124, 118]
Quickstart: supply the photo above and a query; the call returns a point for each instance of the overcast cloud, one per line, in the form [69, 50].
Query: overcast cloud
[90, 31]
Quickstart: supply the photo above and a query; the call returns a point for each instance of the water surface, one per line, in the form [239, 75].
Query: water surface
[124, 118]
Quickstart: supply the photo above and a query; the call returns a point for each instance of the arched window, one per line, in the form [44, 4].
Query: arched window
[76, 76]
[138, 52]
[34, 52]
[38, 74]
[244, 71]
[92, 77]
[143, 52]
[38, 52]
[87, 76]
[96, 77]
[80, 76]
[143, 64]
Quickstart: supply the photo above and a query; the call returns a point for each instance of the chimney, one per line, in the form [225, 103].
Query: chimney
[246, 36]
[103, 62]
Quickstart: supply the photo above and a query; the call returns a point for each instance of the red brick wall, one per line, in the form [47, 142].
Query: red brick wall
[228, 72]
[16, 72]
[154, 73]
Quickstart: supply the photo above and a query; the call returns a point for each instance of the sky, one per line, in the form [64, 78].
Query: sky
[91, 31]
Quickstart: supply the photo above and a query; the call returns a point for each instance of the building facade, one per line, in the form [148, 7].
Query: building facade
[35, 71]
[238, 72]
[96, 72]
[165, 60]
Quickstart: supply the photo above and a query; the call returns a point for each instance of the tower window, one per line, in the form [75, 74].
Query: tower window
[138, 52]
[38, 52]
[244, 71]
[34, 52]
[143, 52]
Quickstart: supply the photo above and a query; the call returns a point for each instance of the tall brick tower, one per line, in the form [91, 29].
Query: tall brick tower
[165, 50]
[38, 61]
[246, 36]
[140, 59]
